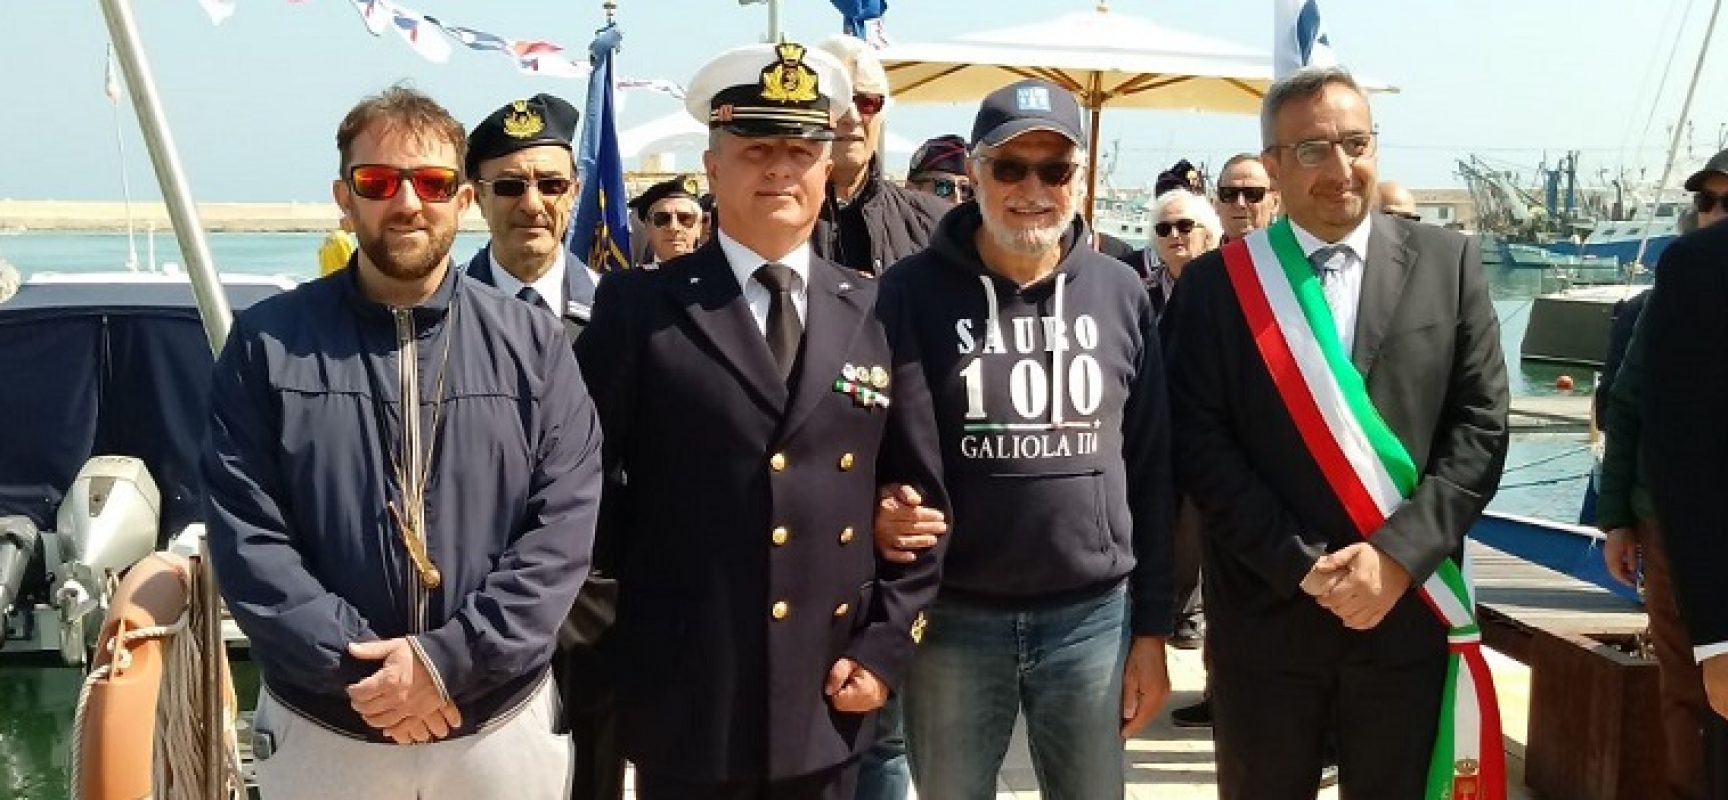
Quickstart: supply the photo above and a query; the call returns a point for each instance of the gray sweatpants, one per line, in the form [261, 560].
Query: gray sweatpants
[520, 759]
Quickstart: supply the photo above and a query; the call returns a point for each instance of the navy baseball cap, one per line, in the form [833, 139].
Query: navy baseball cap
[1029, 105]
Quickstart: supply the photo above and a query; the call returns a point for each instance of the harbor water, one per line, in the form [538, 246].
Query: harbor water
[1545, 476]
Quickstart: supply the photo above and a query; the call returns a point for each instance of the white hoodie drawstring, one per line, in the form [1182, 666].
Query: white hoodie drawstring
[1058, 336]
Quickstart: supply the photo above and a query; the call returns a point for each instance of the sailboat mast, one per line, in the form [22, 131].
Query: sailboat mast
[112, 87]
[153, 123]
[1680, 126]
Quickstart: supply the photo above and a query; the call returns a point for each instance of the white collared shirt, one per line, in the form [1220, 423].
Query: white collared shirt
[1346, 297]
[550, 285]
[744, 263]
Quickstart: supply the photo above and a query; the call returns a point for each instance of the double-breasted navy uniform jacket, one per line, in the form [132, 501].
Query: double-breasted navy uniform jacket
[743, 527]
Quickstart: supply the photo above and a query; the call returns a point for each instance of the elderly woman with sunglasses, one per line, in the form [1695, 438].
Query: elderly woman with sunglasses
[1184, 226]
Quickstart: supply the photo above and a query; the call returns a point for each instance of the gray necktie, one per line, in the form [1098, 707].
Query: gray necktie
[1329, 263]
[529, 295]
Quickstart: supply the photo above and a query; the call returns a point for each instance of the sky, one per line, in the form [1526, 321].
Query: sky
[253, 103]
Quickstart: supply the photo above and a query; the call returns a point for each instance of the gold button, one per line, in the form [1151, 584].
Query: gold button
[778, 462]
[780, 535]
[840, 610]
[846, 535]
[846, 461]
[780, 609]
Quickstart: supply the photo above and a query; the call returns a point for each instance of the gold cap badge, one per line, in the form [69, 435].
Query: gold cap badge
[521, 122]
[789, 80]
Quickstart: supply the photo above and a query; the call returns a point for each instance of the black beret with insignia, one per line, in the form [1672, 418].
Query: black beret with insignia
[539, 120]
[1182, 175]
[784, 90]
[681, 186]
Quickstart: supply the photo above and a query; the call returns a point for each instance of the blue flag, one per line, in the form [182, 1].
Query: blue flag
[858, 12]
[600, 236]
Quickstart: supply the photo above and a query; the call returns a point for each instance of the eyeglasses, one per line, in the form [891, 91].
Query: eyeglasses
[1707, 201]
[869, 105]
[1314, 152]
[1250, 194]
[950, 187]
[552, 186]
[1409, 215]
[382, 182]
[661, 219]
[1182, 226]
[1013, 170]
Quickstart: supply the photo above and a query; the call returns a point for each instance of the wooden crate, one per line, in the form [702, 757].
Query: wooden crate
[1595, 731]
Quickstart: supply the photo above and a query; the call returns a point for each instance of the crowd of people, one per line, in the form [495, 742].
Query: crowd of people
[846, 477]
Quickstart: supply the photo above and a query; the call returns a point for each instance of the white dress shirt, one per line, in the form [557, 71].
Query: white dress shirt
[1346, 296]
[550, 285]
[744, 263]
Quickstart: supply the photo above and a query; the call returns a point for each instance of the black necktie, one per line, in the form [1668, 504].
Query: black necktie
[529, 295]
[784, 328]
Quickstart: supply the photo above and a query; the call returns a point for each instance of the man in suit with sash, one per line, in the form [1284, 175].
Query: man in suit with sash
[525, 183]
[1340, 411]
[750, 394]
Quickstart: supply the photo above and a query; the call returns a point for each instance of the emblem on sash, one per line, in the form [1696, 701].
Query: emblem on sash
[1465, 781]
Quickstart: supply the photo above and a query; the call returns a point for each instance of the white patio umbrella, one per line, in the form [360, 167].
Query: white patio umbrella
[1106, 58]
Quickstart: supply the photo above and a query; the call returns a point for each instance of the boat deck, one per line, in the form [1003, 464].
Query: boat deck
[1568, 413]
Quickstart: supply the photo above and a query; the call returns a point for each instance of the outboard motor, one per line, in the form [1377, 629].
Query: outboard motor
[18, 539]
[107, 522]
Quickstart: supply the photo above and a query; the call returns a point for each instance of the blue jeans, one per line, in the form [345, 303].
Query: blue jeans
[977, 669]
[882, 773]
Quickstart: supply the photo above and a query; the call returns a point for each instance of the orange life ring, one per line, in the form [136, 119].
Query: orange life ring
[118, 737]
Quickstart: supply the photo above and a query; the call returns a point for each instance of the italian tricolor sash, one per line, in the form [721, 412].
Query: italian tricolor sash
[1371, 474]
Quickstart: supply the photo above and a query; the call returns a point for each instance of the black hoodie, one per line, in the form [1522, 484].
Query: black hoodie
[1054, 502]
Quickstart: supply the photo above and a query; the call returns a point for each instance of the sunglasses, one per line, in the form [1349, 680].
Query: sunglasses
[869, 105]
[1314, 152]
[1707, 201]
[1013, 170]
[1250, 194]
[1182, 226]
[516, 187]
[661, 219]
[1409, 215]
[949, 187]
[381, 182]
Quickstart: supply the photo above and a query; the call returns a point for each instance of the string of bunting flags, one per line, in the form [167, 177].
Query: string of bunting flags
[431, 38]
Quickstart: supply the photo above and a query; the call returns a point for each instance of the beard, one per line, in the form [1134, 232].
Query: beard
[404, 259]
[1032, 241]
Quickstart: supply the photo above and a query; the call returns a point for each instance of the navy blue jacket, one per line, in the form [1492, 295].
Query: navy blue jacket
[305, 419]
[1054, 424]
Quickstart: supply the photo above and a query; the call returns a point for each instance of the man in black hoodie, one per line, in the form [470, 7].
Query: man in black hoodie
[1043, 358]
[868, 222]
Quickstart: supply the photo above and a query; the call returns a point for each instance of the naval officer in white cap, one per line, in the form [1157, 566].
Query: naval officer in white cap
[751, 397]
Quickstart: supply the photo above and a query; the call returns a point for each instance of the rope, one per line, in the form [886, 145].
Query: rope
[121, 650]
[1545, 460]
[1545, 481]
[177, 769]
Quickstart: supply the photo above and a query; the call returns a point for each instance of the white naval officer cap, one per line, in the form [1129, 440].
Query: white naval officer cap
[779, 90]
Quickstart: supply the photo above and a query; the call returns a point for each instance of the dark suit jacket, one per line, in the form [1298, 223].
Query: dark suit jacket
[1428, 344]
[1685, 434]
[578, 665]
[578, 288]
[744, 528]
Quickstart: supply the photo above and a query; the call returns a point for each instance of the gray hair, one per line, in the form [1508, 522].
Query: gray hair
[1233, 161]
[1194, 205]
[1303, 84]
